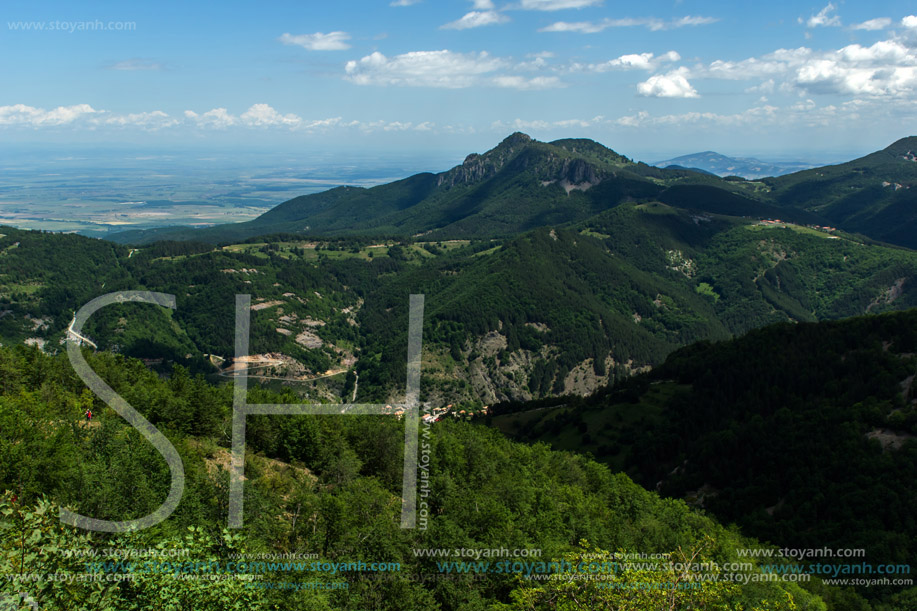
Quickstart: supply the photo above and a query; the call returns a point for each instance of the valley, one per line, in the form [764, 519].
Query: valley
[700, 335]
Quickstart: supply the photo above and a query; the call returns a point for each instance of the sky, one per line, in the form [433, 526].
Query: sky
[780, 80]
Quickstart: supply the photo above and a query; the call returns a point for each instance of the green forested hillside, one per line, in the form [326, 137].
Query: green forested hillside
[552, 311]
[802, 434]
[519, 185]
[523, 184]
[873, 195]
[328, 488]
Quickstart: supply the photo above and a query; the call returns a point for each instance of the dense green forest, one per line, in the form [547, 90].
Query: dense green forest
[802, 434]
[328, 487]
[548, 312]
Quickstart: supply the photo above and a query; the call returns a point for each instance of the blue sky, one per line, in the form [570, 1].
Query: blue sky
[649, 79]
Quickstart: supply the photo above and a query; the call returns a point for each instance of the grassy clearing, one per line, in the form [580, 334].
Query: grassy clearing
[797, 228]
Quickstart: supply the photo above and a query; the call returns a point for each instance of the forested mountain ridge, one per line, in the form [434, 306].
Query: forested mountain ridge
[522, 184]
[551, 311]
[875, 195]
[804, 435]
[518, 185]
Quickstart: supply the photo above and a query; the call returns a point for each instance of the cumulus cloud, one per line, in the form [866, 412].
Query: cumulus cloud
[257, 116]
[880, 23]
[332, 41]
[910, 21]
[651, 23]
[476, 19]
[753, 67]
[145, 120]
[673, 84]
[557, 5]
[634, 61]
[753, 116]
[262, 115]
[82, 115]
[218, 118]
[21, 114]
[442, 69]
[136, 63]
[887, 68]
[405, 2]
[823, 18]
[422, 69]
[804, 114]
[483, 5]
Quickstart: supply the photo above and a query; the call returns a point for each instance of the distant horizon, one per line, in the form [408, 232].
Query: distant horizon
[444, 154]
[779, 80]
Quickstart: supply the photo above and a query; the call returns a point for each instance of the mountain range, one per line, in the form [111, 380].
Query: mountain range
[721, 165]
[522, 184]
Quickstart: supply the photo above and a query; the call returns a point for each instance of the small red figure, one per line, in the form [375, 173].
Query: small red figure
[88, 415]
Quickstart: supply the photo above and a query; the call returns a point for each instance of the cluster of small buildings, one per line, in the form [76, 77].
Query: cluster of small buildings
[437, 413]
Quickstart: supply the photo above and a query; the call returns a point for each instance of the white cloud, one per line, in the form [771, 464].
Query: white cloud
[674, 84]
[824, 18]
[257, 116]
[651, 23]
[753, 116]
[405, 2]
[262, 115]
[447, 70]
[633, 61]
[145, 120]
[332, 41]
[880, 23]
[218, 118]
[887, 69]
[804, 114]
[422, 69]
[483, 5]
[557, 5]
[323, 123]
[81, 115]
[750, 68]
[476, 19]
[136, 63]
[21, 114]
[910, 21]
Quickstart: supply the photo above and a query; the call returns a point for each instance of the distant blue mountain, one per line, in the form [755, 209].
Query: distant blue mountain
[721, 165]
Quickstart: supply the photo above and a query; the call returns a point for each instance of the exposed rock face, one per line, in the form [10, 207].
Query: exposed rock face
[550, 168]
[577, 171]
[477, 167]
